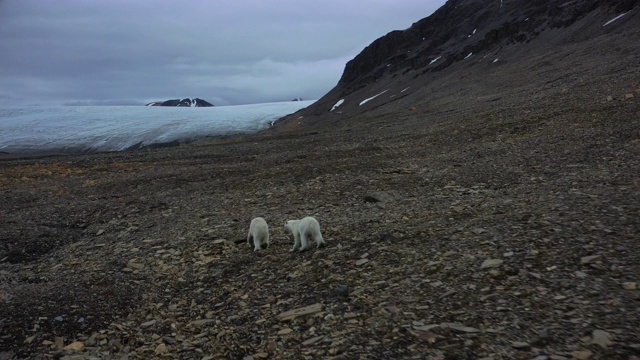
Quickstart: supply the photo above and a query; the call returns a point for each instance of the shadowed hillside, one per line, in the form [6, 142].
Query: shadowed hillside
[479, 52]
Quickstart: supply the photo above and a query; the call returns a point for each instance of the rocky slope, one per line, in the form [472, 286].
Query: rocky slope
[490, 214]
[481, 48]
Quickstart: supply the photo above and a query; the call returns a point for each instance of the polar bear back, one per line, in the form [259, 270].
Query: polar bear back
[308, 225]
[304, 230]
[258, 227]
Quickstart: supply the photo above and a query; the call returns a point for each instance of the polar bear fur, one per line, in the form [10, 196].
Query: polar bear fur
[259, 232]
[303, 230]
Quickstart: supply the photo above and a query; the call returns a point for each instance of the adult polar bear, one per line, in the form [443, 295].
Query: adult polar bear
[259, 232]
[302, 230]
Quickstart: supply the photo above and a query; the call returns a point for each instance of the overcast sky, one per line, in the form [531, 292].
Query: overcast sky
[121, 52]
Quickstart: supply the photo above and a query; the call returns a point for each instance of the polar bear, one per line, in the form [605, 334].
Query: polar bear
[259, 232]
[302, 230]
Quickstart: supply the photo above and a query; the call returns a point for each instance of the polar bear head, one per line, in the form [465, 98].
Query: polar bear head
[290, 225]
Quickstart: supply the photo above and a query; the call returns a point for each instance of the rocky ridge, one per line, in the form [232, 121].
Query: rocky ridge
[466, 42]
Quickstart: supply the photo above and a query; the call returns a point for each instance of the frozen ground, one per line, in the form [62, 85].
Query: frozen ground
[113, 128]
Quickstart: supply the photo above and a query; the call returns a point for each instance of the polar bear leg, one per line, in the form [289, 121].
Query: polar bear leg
[291, 227]
[296, 241]
[256, 243]
[319, 240]
[303, 241]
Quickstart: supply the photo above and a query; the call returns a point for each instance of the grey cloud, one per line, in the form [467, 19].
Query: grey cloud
[127, 52]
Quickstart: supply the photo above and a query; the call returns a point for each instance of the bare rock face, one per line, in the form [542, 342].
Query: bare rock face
[182, 103]
[468, 40]
[460, 28]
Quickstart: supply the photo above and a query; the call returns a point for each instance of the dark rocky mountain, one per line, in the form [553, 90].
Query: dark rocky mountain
[479, 50]
[182, 103]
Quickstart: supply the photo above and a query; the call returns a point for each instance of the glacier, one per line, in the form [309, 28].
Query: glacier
[74, 129]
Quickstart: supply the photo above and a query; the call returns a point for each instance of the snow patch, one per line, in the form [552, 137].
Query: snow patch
[371, 98]
[496, 60]
[405, 89]
[434, 60]
[614, 19]
[338, 103]
[468, 56]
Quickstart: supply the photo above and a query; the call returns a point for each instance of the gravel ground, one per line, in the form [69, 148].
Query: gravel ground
[495, 228]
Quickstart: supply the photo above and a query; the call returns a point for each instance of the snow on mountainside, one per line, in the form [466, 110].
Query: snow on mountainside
[182, 103]
[480, 47]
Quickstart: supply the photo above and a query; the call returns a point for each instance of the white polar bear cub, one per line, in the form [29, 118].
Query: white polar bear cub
[302, 230]
[259, 231]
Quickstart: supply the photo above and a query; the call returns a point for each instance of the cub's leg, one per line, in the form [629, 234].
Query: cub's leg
[262, 237]
[266, 240]
[256, 243]
[304, 241]
[296, 241]
[319, 240]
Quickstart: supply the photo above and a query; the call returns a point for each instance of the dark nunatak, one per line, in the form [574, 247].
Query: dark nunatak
[182, 103]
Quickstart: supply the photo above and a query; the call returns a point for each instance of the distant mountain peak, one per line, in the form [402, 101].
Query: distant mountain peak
[182, 103]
